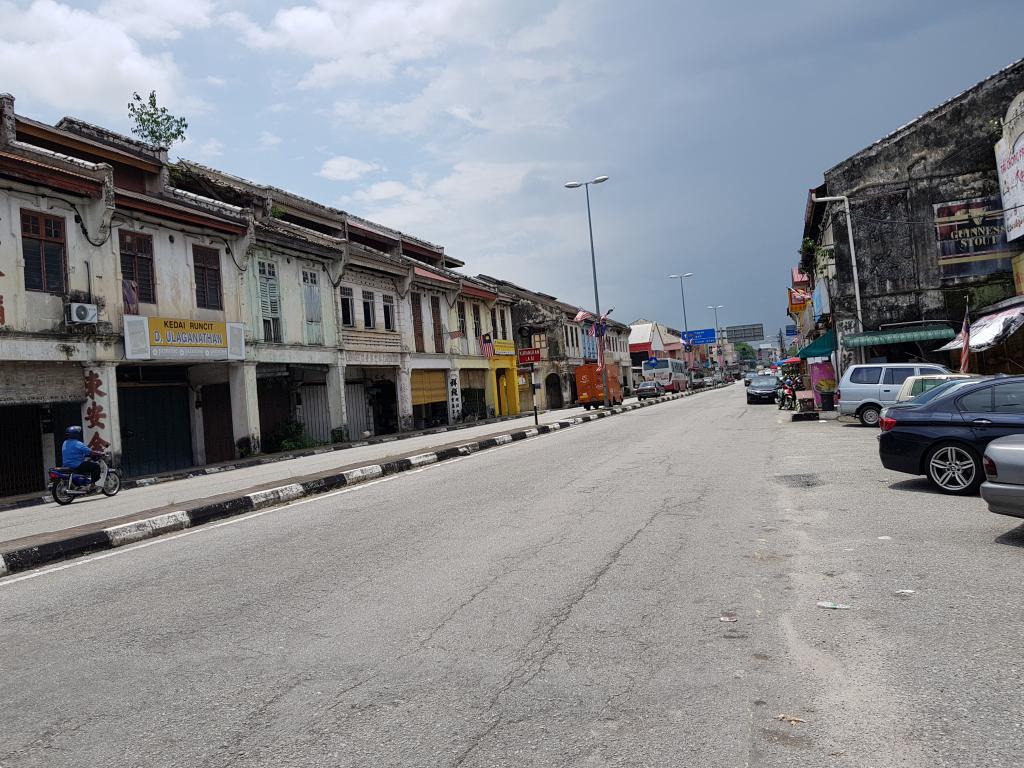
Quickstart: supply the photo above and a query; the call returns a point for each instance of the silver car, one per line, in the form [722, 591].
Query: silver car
[865, 389]
[1003, 488]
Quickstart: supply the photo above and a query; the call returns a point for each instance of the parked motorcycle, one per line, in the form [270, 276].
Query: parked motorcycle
[786, 398]
[66, 484]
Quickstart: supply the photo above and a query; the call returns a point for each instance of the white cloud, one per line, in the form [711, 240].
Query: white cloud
[157, 19]
[467, 193]
[216, 82]
[78, 61]
[211, 148]
[268, 139]
[342, 168]
[365, 41]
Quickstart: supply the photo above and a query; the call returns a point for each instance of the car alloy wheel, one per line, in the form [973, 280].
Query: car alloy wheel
[954, 469]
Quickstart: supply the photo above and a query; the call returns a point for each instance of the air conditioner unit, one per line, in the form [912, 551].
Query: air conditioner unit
[82, 313]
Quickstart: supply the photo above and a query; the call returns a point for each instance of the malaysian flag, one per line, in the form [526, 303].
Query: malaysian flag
[596, 329]
[965, 350]
[600, 353]
[581, 316]
[456, 334]
[486, 345]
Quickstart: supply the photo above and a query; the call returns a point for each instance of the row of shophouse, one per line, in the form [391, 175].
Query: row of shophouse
[909, 235]
[184, 316]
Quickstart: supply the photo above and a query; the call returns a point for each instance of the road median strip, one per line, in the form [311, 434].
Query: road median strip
[35, 551]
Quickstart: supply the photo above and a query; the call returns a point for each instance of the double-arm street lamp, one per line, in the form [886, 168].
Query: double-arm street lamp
[593, 264]
[718, 337]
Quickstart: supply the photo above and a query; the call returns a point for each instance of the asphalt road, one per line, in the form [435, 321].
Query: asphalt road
[553, 602]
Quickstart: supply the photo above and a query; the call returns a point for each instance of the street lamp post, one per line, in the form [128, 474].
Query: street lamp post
[718, 338]
[686, 328]
[593, 265]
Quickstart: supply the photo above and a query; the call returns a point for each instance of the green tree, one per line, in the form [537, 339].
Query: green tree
[154, 123]
[745, 351]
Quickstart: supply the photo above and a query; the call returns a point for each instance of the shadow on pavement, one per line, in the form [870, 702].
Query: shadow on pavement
[917, 484]
[1012, 538]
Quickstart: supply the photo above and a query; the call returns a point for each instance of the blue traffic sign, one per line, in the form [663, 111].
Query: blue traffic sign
[652, 361]
[791, 330]
[703, 336]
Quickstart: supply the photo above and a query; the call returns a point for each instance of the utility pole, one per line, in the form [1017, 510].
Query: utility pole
[782, 348]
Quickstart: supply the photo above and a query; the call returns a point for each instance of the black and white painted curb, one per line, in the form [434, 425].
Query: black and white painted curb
[79, 544]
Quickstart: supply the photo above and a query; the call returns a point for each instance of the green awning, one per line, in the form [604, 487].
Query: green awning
[823, 346]
[899, 336]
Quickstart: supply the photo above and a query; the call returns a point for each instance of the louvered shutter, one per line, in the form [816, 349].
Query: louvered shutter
[417, 322]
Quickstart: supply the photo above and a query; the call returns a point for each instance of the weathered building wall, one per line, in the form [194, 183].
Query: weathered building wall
[946, 155]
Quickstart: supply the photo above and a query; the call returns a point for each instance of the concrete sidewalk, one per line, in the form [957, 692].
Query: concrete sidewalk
[38, 518]
[40, 539]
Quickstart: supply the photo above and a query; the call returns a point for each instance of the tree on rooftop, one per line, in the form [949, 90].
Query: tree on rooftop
[154, 123]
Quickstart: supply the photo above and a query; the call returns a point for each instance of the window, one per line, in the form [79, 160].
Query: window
[1009, 398]
[137, 264]
[417, 321]
[206, 264]
[494, 323]
[462, 317]
[369, 310]
[897, 375]
[43, 248]
[270, 301]
[924, 369]
[314, 312]
[477, 329]
[389, 313]
[435, 316]
[504, 328]
[348, 308]
[540, 340]
[979, 401]
[865, 375]
[565, 329]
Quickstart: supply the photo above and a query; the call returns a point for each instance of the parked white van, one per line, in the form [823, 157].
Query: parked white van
[865, 389]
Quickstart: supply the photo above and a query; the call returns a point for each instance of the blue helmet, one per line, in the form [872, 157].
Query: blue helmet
[74, 433]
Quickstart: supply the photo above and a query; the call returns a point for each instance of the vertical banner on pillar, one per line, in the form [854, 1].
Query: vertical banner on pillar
[454, 397]
[97, 423]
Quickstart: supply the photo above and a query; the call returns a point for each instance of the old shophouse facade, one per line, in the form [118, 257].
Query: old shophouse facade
[928, 229]
[121, 294]
[185, 316]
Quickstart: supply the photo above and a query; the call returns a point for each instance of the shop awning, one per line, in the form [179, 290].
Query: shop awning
[989, 330]
[823, 346]
[898, 336]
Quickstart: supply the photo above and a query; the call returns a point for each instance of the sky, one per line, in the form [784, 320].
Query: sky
[459, 121]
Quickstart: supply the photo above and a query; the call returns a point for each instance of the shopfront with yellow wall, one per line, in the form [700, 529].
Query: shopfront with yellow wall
[503, 384]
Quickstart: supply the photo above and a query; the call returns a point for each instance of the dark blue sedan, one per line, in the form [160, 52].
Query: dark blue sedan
[942, 434]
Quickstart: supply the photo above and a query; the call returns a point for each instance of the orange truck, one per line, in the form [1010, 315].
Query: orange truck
[589, 389]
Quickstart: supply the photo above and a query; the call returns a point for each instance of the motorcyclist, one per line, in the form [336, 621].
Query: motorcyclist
[78, 457]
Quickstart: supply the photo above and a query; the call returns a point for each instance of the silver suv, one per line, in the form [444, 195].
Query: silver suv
[866, 389]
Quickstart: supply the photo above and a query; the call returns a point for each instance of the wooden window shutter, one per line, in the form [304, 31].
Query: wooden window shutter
[417, 321]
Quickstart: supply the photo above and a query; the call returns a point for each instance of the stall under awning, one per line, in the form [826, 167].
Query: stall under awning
[989, 330]
[898, 336]
[823, 346]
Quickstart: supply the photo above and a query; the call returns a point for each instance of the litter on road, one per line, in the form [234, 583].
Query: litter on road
[728, 616]
[833, 606]
[789, 719]
[906, 591]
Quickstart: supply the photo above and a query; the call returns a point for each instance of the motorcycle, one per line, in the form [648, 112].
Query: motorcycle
[786, 397]
[66, 484]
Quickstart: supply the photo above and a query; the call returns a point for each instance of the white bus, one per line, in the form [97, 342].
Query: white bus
[671, 374]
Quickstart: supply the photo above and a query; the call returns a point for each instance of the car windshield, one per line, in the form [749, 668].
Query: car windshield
[764, 381]
[941, 389]
[648, 385]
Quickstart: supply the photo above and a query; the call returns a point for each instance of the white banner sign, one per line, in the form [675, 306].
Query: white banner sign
[1010, 162]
